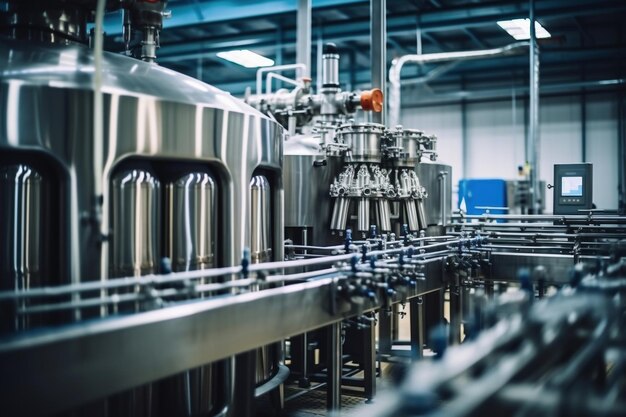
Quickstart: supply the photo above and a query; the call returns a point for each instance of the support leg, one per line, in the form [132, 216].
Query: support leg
[245, 381]
[416, 310]
[369, 361]
[333, 360]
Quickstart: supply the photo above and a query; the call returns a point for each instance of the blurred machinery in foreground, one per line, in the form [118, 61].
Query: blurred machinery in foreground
[559, 356]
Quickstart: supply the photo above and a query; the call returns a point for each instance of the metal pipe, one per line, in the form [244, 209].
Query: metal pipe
[333, 391]
[303, 36]
[273, 75]
[443, 201]
[621, 138]
[378, 33]
[398, 63]
[532, 151]
[299, 68]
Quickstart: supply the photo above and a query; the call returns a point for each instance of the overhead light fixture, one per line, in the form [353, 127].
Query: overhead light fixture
[246, 58]
[520, 29]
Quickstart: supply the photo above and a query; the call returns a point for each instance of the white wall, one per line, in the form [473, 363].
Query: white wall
[602, 148]
[496, 136]
[445, 123]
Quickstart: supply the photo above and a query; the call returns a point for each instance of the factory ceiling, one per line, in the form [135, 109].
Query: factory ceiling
[587, 48]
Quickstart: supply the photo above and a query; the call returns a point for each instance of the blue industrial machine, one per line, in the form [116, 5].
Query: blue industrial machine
[482, 195]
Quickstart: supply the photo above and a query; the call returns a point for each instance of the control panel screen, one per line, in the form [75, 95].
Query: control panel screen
[571, 186]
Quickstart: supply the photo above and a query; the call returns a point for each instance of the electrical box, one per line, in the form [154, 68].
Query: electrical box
[573, 188]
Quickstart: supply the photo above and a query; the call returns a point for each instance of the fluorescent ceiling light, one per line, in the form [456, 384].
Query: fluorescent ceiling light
[246, 58]
[520, 29]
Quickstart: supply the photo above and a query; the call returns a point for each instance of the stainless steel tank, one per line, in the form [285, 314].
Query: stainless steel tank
[307, 171]
[150, 115]
[190, 241]
[22, 238]
[261, 251]
[364, 141]
[260, 211]
[136, 203]
[437, 179]
[135, 233]
[191, 222]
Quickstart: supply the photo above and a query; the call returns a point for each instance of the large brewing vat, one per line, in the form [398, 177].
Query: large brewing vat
[111, 200]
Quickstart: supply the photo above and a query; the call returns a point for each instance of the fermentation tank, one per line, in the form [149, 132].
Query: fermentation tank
[169, 179]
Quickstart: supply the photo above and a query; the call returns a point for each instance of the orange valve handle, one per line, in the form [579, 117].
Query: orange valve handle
[372, 100]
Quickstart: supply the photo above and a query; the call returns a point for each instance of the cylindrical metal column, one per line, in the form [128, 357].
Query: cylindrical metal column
[416, 312]
[339, 217]
[378, 33]
[333, 386]
[135, 245]
[260, 224]
[135, 251]
[303, 36]
[532, 150]
[22, 238]
[190, 238]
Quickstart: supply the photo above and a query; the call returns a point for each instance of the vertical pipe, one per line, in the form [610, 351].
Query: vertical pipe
[621, 154]
[245, 366]
[303, 36]
[378, 33]
[583, 126]
[464, 139]
[333, 386]
[418, 36]
[199, 68]
[532, 152]
[369, 361]
[319, 53]
[443, 201]
[279, 49]
[384, 331]
[416, 312]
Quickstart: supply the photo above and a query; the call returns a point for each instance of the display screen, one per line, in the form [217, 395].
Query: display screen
[571, 186]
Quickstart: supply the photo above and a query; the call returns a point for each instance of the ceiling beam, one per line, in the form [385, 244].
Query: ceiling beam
[430, 22]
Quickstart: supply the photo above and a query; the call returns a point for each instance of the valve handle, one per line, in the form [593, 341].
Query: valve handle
[372, 100]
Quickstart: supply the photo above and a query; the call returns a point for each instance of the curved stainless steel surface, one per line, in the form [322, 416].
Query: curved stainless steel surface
[364, 141]
[363, 214]
[260, 224]
[383, 214]
[21, 199]
[149, 112]
[408, 141]
[341, 209]
[190, 240]
[71, 67]
[22, 239]
[136, 200]
[429, 173]
[261, 251]
[191, 222]
[307, 172]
